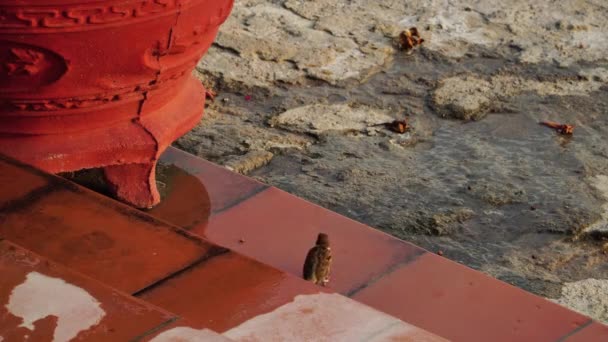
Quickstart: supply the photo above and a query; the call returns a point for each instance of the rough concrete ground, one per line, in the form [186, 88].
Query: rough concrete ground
[307, 85]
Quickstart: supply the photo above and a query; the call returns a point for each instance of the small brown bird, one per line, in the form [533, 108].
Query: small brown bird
[318, 262]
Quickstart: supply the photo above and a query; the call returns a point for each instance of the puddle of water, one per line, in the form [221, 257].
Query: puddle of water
[184, 199]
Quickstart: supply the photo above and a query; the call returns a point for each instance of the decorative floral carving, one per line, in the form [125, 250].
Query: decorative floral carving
[24, 62]
[24, 67]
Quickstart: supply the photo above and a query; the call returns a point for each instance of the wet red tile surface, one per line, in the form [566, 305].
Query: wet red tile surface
[461, 304]
[101, 239]
[225, 291]
[278, 229]
[224, 188]
[16, 182]
[40, 300]
[185, 201]
[595, 332]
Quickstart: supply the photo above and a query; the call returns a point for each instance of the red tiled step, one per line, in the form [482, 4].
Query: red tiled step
[16, 184]
[310, 317]
[251, 302]
[99, 237]
[279, 229]
[226, 291]
[589, 333]
[40, 300]
[463, 305]
[218, 289]
[394, 276]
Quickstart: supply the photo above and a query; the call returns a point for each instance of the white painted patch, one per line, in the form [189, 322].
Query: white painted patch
[400, 332]
[325, 317]
[185, 334]
[41, 296]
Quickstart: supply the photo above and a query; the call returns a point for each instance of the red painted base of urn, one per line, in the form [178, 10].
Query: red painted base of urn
[102, 84]
[126, 151]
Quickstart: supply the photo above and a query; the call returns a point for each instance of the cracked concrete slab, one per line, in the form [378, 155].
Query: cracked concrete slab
[471, 98]
[317, 119]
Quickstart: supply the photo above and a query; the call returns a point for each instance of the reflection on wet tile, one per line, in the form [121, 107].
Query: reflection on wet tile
[225, 188]
[185, 200]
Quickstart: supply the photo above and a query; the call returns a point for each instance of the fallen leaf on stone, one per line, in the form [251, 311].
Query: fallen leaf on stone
[399, 126]
[563, 129]
[409, 39]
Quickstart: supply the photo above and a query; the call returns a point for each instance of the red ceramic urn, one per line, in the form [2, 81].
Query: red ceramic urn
[102, 84]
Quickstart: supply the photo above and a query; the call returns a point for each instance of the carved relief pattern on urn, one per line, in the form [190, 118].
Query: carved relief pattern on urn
[24, 66]
[84, 15]
[125, 94]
